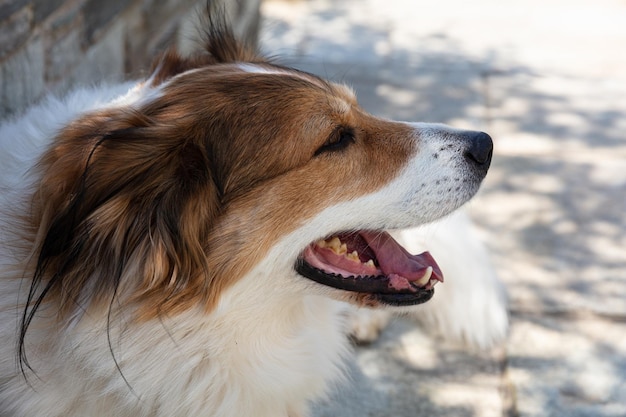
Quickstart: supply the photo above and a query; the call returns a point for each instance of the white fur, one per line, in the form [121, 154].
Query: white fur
[245, 358]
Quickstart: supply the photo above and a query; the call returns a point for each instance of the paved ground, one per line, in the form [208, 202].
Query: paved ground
[547, 79]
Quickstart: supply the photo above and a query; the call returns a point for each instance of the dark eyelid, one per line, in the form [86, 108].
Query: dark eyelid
[339, 139]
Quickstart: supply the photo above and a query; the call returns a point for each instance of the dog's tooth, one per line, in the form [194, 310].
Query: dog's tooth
[343, 249]
[354, 256]
[321, 243]
[370, 263]
[426, 277]
[334, 244]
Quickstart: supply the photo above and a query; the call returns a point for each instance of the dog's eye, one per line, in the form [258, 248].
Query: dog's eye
[337, 141]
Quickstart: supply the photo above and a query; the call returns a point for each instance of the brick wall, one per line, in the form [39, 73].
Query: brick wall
[50, 45]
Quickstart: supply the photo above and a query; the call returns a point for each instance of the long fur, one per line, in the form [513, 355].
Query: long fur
[149, 230]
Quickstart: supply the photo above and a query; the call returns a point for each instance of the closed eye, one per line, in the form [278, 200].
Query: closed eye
[337, 141]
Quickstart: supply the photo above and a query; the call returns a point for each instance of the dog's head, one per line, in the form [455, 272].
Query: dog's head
[223, 163]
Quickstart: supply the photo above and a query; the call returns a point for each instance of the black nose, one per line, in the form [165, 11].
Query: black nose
[479, 149]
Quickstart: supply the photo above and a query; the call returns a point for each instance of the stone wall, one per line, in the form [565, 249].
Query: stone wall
[50, 45]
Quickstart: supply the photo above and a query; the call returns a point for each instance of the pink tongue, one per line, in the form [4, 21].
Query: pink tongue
[394, 259]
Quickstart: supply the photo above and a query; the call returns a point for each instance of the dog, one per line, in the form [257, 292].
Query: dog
[184, 245]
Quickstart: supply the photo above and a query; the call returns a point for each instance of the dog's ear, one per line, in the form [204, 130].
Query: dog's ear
[219, 45]
[123, 215]
[220, 41]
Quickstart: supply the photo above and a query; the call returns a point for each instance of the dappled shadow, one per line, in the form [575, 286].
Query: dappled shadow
[560, 233]
[552, 209]
[382, 382]
[568, 367]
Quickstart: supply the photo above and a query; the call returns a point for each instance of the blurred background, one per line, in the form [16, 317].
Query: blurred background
[546, 79]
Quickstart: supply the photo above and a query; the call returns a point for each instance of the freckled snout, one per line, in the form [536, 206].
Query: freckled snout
[479, 148]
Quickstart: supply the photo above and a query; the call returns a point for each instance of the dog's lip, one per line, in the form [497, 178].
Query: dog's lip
[395, 276]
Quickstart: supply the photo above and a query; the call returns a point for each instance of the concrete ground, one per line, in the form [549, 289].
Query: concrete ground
[547, 79]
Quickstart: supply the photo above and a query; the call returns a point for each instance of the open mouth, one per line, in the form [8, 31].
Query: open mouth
[371, 263]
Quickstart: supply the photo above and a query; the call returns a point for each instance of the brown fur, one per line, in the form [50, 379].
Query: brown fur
[146, 205]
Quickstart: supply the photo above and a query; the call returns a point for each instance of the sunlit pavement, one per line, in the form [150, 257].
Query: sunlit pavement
[547, 79]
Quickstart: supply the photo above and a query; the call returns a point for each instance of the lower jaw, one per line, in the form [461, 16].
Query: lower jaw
[371, 298]
[403, 300]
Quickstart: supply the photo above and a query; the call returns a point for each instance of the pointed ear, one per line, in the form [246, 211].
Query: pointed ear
[219, 45]
[132, 225]
[219, 39]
